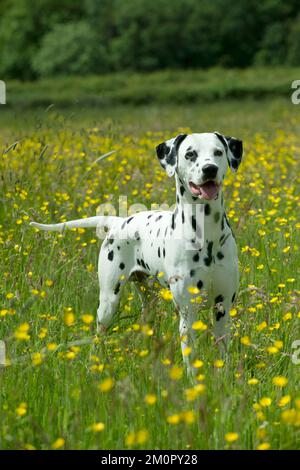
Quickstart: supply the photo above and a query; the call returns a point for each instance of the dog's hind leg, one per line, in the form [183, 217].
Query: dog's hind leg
[113, 271]
[141, 285]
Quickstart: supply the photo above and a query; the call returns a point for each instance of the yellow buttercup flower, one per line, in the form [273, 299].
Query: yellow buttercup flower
[106, 385]
[253, 381]
[22, 409]
[166, 294]
[219, 363]
[175, 373]
[97, 427]
[199, 325]
[22, 332]
[173, 419]
[263, 446]
[87, 318]
[265, 401]
[285, 400]
[231, 437]
[150, 399]
[280, 381]
[58, 444]
[69, 318]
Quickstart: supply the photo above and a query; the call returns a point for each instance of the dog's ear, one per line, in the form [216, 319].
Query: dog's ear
[167, 153]
[234, 150]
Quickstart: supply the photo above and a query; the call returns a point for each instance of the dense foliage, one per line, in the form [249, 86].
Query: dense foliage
[53, 37]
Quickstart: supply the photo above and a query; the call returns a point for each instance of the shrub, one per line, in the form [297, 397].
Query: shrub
[70, 48]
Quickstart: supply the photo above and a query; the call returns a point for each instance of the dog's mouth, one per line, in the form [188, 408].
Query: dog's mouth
[208, 190]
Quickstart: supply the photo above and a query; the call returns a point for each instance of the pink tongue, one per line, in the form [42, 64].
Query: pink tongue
[195, 189]
[209, 190]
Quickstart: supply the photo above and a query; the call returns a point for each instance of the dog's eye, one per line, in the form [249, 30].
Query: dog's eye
[218, 153]
[191, 155]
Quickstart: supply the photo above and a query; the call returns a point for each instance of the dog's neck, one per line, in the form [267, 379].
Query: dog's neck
[214, 217]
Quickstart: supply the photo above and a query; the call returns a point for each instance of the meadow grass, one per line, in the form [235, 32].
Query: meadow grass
[161, 88]
[128, 389]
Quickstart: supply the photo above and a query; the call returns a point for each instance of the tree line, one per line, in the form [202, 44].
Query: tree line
[45, 38]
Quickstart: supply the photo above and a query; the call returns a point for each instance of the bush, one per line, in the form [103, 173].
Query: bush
[273, 46]
[70, 48]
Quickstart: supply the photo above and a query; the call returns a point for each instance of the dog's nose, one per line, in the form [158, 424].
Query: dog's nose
[210, 171]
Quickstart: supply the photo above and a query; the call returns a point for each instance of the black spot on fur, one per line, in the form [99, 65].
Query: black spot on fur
[219, 299]
[234, 163]
[182, 190]
[217, 217]
[118, 247]
[117, 288]
[138, 262]
[194, 222]
[207, 209]
[149, 216]
[191, 155]
[173, 222]
[192, 272]
[110, 255]
[143, 263]
[182, 217]
[123, 225]
[196, 257]
[227, 221]
[122, 265]
[158, 232]
[208, 258]
[164, 252]
[166, 231]
[223, 222]
[233, 297]
[110, 241]
[162, 150]
[199, 284]
[158, 218]
[220, 314]
[129, 220]
[222, 139]
[220, 255]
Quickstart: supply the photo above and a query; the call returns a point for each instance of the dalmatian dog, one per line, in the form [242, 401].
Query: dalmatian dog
[191, 249]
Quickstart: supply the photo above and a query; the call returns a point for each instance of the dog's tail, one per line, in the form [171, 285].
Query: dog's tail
[90, 222]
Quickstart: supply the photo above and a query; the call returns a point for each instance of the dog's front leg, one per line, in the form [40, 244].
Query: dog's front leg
[187, 338]
[222, 323]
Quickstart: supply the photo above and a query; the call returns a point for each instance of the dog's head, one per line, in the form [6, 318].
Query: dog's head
[200, 160]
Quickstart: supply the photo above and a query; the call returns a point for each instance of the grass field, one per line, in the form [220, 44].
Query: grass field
[162, 88]
[129, 389]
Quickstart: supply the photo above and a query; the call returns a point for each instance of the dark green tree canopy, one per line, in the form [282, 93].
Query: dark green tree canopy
[52, 37]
